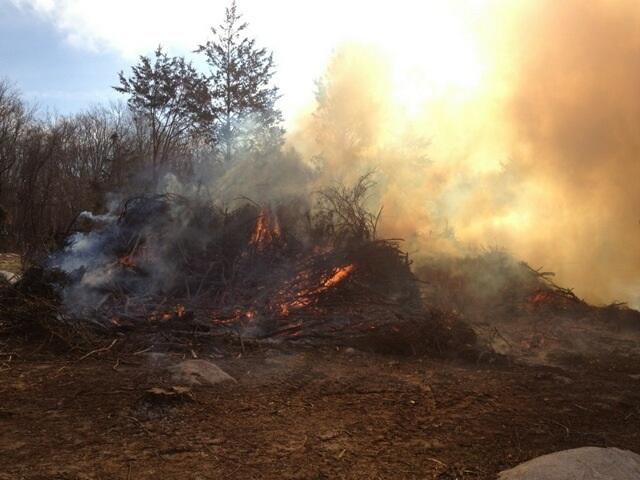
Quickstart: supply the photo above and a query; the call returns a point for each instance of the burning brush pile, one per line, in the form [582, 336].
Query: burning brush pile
[521, 312]
[172, 263]
[493, 286]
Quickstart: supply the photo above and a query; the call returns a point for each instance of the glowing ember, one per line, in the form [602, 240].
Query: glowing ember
[178, 312]
[551, 299]
[338, 276]
[540, 297]
[267, 230]
[126, 261]
[307, 296]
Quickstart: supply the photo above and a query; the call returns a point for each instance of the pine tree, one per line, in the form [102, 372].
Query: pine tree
[243, 97]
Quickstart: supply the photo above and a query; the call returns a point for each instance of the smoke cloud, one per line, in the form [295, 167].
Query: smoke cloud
[540, 156]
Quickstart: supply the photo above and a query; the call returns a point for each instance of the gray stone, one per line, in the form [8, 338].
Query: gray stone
[10, 277]
[198, 372]
[586, 463]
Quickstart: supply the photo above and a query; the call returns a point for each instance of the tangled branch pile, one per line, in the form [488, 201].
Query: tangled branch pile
[493, 286]
[274, 271]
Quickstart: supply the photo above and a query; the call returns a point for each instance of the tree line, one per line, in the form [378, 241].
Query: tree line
[176, 120]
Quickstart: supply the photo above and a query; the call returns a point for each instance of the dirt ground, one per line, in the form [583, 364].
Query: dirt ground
[302, 412]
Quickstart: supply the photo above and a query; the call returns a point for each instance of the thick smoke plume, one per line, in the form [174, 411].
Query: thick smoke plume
[541, 157]
[575, 114]
[533, 148]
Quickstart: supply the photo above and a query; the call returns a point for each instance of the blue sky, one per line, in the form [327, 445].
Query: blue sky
[65, 55]
[49, 71]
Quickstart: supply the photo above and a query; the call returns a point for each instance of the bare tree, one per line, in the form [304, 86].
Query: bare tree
[342, 213]
[14, 118]
[52, 169]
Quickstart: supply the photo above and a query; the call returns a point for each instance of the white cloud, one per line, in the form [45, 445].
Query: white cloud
[301, 33]
[128, 27]
[134, 27]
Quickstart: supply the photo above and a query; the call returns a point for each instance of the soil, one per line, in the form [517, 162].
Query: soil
[302, 412]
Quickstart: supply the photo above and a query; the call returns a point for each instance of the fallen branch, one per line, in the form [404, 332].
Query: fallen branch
[99, 350]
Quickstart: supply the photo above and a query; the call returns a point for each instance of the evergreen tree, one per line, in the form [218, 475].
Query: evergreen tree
[242, 95]
[172, 98]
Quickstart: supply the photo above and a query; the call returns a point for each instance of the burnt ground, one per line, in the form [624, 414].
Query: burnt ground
[303, 412]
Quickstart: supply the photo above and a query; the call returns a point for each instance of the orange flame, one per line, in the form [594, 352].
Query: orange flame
[265, 232]
[306, 297]
[338, 276]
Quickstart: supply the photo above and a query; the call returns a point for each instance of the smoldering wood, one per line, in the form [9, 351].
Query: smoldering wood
[221, 281]
[323, 281]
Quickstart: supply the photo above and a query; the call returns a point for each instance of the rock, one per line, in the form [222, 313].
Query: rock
[10, 277]
[586, 463]
[198, 372]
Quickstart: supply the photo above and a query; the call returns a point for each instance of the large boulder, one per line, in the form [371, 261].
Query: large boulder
[586, 463]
